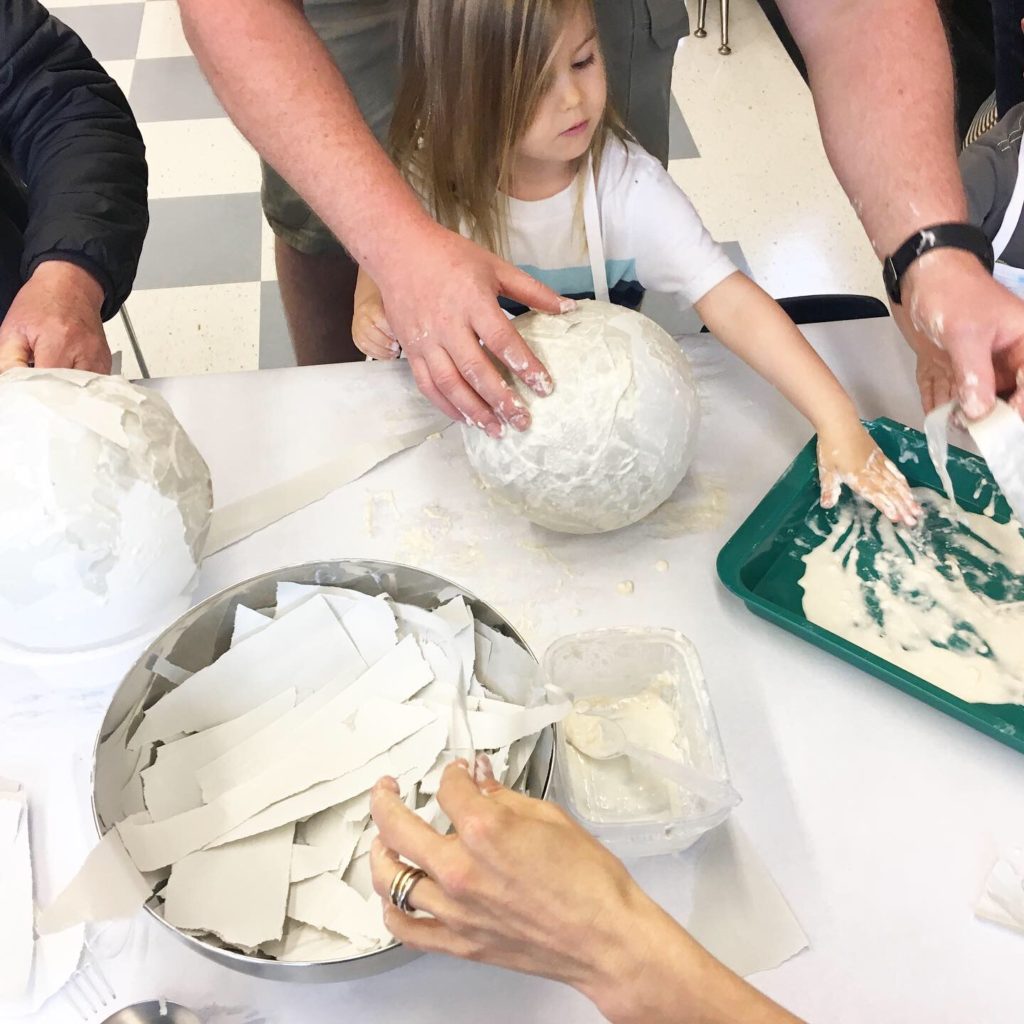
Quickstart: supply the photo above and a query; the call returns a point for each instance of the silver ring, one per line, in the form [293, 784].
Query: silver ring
[402, 885]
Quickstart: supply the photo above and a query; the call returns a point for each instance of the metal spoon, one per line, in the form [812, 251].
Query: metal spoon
[603, 739]
[155, 1012]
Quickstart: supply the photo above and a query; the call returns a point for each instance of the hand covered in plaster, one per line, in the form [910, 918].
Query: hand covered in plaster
[440, 297]
[851, 457]
[54, 321]
[371, 331]
[521, 885]
[957, 306]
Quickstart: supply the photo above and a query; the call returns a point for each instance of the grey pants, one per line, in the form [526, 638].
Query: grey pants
[639, 39]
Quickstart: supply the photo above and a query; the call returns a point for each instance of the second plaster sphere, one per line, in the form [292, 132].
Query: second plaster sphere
[614, 439]
[105, 504]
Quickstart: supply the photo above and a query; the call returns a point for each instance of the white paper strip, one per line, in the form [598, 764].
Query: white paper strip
[304, 943]
[309, 861]
[170, 785]
[1000, 438]
[328, 903]
[497, 727]
[335, 834]
[108, 885]
[739, 915]
[507, 670]
[248, 622]
[407, 761]
[16, 906]
[238, 520]
[303, 650]
[238, 891]
[372, 627]
[397, 677]
[157, 844]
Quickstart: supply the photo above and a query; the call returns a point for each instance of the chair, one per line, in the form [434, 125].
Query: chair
[818, 309]
[701, 32]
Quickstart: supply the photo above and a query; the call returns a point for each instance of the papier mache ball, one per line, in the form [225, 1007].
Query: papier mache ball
[105, 504]
[616, 436]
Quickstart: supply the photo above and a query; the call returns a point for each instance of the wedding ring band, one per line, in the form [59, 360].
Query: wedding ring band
[402, 885]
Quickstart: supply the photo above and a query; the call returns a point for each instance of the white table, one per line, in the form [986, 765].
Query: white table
[877, 816]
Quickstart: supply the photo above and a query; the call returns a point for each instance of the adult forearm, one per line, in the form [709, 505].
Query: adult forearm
[881, 77]
[671, 979]
[279, 85]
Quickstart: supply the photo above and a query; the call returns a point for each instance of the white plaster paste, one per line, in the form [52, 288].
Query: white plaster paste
[922, 608]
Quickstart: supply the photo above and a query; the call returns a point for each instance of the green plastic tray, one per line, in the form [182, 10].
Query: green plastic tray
[763, 562]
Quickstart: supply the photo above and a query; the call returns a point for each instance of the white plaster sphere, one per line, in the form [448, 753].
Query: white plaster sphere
[614, 439]
[104, 509]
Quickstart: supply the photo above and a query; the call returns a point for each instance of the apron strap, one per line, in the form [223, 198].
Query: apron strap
[1012, 216]
[592, 230]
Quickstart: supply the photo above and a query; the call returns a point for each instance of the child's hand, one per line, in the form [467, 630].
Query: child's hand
[371, 331]
[851, 457]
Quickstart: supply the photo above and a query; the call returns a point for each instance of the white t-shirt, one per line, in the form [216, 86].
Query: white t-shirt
[653, 237]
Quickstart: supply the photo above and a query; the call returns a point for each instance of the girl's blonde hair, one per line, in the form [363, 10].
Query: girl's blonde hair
[474, 72]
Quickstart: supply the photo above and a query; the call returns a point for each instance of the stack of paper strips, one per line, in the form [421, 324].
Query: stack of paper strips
[248, 807]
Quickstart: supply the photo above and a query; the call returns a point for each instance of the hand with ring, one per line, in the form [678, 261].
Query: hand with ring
[520, 885]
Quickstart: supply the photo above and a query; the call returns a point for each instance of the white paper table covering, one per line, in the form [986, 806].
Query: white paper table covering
[877, 816]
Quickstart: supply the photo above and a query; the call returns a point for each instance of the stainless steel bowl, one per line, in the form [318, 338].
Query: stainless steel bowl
[200, 637]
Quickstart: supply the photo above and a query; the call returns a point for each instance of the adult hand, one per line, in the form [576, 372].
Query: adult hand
[440, 298]
[520, 885]
[958, 306]
[54, 321]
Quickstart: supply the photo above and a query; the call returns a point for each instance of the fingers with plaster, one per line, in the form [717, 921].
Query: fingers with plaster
[860, 464]
[520, 885]
[440, 294]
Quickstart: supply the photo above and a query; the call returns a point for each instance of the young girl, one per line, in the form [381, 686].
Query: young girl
[503, 127]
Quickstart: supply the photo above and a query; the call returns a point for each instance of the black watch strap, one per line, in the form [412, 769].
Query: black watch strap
[939, 236]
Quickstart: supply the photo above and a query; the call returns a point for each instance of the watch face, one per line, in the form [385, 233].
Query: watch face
[891, 279]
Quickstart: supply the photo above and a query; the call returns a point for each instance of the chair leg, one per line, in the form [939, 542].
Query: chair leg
[725, 49]
[134, 342]
[702, 16]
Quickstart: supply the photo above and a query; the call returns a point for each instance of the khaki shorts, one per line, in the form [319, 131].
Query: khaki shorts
[362, 37]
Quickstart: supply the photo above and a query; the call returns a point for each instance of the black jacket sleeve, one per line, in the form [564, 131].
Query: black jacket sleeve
[71, 136]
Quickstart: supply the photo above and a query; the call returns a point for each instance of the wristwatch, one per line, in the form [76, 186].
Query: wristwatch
[939, 236]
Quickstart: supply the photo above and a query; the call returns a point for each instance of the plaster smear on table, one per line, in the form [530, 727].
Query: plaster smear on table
[698, 505]
[935, 625]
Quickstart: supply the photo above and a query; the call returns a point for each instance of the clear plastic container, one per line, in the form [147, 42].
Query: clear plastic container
[650, 683]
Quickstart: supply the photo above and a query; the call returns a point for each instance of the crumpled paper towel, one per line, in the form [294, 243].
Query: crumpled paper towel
[1003, 898]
